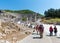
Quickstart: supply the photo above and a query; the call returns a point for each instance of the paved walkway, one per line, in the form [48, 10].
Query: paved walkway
[45, 39]
[34, 38]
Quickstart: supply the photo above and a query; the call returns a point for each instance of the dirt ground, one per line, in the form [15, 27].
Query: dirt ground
[15, 35]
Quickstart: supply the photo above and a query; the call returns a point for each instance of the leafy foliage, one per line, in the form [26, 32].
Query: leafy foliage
[24, 19]
[8, 10]
[23, 12]
[52, 13]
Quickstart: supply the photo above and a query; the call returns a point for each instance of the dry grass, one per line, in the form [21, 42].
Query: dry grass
[53, 20]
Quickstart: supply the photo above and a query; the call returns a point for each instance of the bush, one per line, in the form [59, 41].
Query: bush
[24, 19]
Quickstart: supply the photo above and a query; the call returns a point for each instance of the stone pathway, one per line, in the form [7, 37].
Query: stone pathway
[34, 38]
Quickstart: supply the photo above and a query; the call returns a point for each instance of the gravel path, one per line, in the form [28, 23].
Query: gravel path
[34, 38]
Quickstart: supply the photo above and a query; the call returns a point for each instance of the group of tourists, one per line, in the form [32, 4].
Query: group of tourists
[40, 30]
[51, 30]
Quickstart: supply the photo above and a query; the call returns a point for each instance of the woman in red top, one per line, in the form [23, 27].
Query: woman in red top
[51, 30]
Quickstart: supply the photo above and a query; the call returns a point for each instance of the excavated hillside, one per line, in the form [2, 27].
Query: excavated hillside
[9, 30]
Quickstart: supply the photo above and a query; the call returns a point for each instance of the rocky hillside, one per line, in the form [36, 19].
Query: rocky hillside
[20, 15]
[24, 12]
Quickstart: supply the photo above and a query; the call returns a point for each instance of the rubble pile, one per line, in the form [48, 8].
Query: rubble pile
[10, 26]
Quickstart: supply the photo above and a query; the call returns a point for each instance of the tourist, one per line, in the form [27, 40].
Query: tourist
[55, 30]
[51, 30]
[41, 30]
[37, 27]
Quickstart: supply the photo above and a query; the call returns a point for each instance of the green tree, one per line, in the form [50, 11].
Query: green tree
[24, 19]
[52, 13]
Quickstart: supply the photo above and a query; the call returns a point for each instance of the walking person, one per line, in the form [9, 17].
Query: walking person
[41, 30]
[51, 30]
[37, 26]
[55, 30]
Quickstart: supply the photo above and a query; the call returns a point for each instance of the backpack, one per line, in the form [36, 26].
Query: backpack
[41, 28]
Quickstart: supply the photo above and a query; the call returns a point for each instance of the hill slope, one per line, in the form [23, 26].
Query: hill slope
[23, 12]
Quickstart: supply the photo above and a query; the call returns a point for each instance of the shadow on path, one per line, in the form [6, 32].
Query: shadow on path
[53, 36]
[50, 36]
[36, 37]
[35, 34]
[58, 37]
